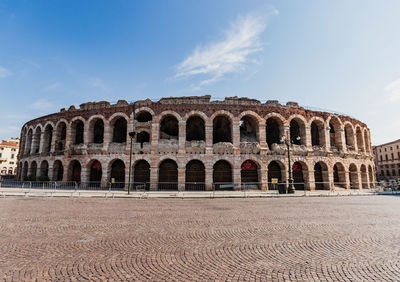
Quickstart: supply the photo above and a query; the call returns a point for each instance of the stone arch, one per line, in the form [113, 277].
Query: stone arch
[360, 139]
[364, 177]
[250, 174]
[95, 169]
[276, 170]
[222, 175]
[28, 144]
[47, 137]
[60, 135]
[339, 175]
[116, 173]
[96, 129]
[169, 126]
[335, 132]
[75, 171]
[195, 128]
[274, 128]
[370, 176]
[144, 114]
[25, 171]
[141, 174]
[77, 130]
[36, 139]
[44, 169]
[317, 127]
[353, 176]
[33, 170]
[349, 136]
[119, 127]
[168, 175]
[195, 175]
[222, 128]
[297, 124]
[249, 127]
[58, 170]
[300, 175]
[321, 176]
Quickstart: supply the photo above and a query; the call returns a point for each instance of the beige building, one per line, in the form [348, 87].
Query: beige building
[387, 160]
[8, 156]
[195, 143]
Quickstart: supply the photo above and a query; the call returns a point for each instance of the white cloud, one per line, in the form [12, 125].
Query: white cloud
[214, 60]
[394, 90]
[43, 105]
[51, 87]
[98, 83]
[4, 72]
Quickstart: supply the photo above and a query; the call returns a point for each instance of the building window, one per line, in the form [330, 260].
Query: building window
[381, 158]
[392, 156]
[385, 149]
[393, 172]
[391, 148]
[11, 162]
[387, 173]
[12, 156]
[0, 155]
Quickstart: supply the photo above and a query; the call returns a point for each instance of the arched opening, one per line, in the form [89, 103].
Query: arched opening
[248, 129]
[339, 175]
[169, 128]
[141, 175]
[317, 133]
[143, 137]
[195, 129]
[119, 130]
[297, 132]
[95, 173]
[222, 175]
[61, 136]
[349, 136]
[48, 137]
[222, 129]
[249, 175]
[299, 173]
[144, 116]
[371, 176]
[117, 175]
[274, 174]
[321, 176]
[273, 131]
[28, 144]
[364, 177]
[58, 171]
[98, 131]
[25, 171]
[44, 171]
[360, 143]
[168, 175]
[195, 175]
[77, 131]
[75, 171]
[36, 141]
[335, 133]
[32, 171]
[353, 175]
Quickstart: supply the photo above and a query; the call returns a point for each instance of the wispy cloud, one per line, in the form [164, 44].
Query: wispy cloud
[214, 60]
[96, 82]
[4, 72]
[43, 105]
[52, 87]
[394, 90]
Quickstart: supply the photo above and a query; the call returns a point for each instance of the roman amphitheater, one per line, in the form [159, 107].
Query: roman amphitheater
[195, 143]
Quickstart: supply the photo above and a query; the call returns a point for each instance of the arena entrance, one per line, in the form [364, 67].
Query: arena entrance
[195, 176]
[117, 174]
[274, 171]
[95, 174]
[249, 175]
[141, 175]
[168, 175]
[222, 176]
[298, 177]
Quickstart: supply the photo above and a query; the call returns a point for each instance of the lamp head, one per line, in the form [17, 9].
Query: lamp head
[132, 134]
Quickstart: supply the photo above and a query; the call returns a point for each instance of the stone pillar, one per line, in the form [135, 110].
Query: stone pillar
[236, 177]
[308, 142]
[42, 141]
[263, 177]
[85, 174]
[108, 133]
[236, 136]
[311, 180]
[50, 172]
[209, 137]
[327, 139]
[87, 137]
[347, 177]
[262, 134]
[65, 173]
[209, 178]
[68, 137]
[153, 177]
[181, 178]
[359, 180]
[104, 177]
[182, 137]
[343, 140]
[155, 128]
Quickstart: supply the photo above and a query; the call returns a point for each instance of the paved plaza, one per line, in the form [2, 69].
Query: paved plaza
[310, 239]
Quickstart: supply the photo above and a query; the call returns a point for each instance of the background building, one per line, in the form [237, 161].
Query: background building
[387, 160]
[8, 156]
[193, 142]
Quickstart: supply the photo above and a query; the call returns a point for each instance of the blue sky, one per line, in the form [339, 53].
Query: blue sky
[339, 55]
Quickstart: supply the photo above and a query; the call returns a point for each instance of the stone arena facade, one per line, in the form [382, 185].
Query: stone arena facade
[194, 143]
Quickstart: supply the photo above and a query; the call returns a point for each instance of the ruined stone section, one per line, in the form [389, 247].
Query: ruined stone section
[191, 143]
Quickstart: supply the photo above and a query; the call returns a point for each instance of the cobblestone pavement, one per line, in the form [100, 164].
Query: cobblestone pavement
[338, 238]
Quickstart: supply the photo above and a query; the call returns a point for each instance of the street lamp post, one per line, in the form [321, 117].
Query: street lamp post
[131, 135]
[287, 141]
